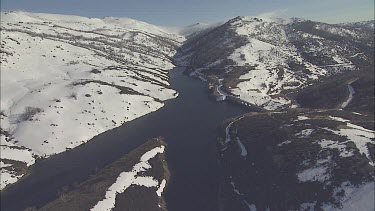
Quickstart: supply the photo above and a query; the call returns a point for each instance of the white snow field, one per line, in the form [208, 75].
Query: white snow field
[356, 198]
[313, 174]
[66, 79]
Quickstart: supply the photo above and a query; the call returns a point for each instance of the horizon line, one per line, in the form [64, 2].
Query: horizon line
[203, 22]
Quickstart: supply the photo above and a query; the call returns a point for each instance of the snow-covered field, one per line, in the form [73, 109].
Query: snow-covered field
[66, 79]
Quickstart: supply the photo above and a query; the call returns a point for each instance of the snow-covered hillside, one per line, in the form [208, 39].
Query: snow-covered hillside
[262, 61]
[66, 79]
[298, 160]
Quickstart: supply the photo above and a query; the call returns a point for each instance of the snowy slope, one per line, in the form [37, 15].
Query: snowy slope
[263, 60]
[66, 79]
[298, 160]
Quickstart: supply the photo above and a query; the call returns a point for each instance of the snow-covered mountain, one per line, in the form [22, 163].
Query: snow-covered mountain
[262, 61]
[66, 79]
[317, 157]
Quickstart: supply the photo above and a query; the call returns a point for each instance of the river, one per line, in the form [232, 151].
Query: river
[189, 124]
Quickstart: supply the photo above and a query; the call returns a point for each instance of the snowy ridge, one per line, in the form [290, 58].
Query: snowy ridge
[74, 78]
[126, 179]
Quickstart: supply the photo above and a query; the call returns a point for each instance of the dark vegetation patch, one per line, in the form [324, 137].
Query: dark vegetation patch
[142, 77]
[231, 79]
[95, 71]
[371, 148]
[134, 200]
[364, 97]
[330, 93]
[123, 89]
[29, 113]
[208, 48]
[16, 166]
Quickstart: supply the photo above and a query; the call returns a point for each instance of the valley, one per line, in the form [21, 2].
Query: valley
[251, 114]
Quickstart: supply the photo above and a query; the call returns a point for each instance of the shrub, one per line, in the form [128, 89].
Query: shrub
[29, 113]
[95, 71]
[73, 62]
[2, 113]
[73, 95]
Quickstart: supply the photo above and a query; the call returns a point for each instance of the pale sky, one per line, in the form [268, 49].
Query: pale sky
[185, 12]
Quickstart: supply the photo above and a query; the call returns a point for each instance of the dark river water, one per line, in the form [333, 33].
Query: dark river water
[190, 125]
